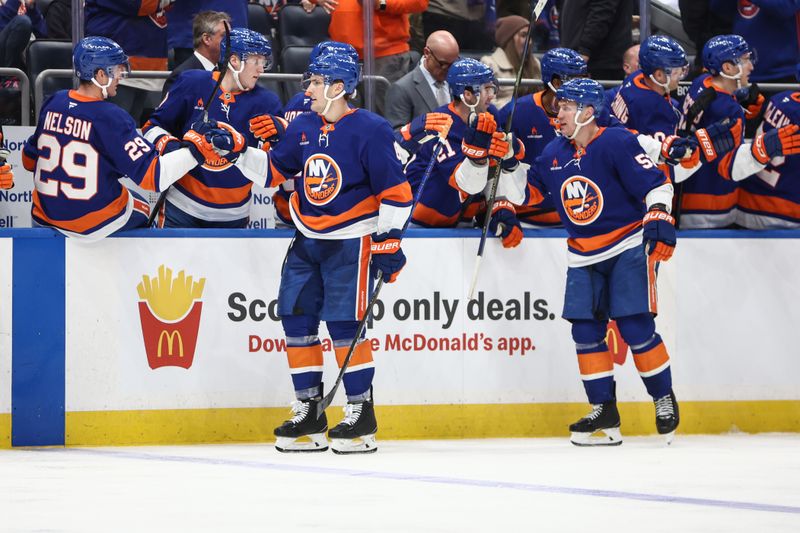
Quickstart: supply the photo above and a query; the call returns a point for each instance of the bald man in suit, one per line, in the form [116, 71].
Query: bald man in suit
[425, 88]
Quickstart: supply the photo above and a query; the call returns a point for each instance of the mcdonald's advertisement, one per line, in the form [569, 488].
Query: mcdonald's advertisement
[6, 249]
[192, 323]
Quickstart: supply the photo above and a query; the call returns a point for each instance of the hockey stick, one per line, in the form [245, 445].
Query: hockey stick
[222, 71]
[3, 152]
[704, 99]
[535, 12]
[326, 401]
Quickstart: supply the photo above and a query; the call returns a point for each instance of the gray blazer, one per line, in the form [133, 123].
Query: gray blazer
[409, 97]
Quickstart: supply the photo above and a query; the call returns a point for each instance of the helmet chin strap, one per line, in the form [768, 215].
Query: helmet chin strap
[578, 124]
[737, 77]
[664, 86]
[328, 100]
[236, 74]
[105, 87]
[471, 106]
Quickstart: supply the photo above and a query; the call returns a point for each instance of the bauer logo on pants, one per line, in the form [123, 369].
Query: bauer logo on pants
[169, 310]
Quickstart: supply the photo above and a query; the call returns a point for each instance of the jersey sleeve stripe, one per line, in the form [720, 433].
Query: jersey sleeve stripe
[399, 195]
[88, 221]
[427, 216]
[147, 7]
[27, 161]
[149, 180]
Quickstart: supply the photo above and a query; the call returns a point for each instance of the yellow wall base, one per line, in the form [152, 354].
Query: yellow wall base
[188, 426]
[5, 431]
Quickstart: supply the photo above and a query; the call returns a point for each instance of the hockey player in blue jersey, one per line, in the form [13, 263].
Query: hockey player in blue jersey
[449, 195]
[711, 195]
[615, 205]
[350, 206]
[218, 195]
[83, 145]
[535, 122]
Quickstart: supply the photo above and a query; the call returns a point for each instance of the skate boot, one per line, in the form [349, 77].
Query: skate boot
[304, 432]
[603, 419]
[667, 417]
[356, 433]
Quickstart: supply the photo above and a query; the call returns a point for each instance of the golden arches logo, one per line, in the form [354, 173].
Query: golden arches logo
[616, 344]
[169, 311]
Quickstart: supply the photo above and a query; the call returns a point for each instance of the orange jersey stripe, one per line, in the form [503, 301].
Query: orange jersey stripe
[276, 177]
[651, 359]
[361, 355]
[768, 204]
[399, 194]
[304, 356]
[87, 221]
[590, 244]
[363, 277]
[217, 195]
[364, 207]
[431, 217]
[595, 363]
[28, 162]
[148, 7]
[710, 202]
[149, 180]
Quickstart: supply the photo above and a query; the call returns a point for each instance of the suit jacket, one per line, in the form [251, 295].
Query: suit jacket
[409, 97]
[190, 64]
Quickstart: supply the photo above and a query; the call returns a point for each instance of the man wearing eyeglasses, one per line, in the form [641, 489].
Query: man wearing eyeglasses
[425, 88]
[208, 29]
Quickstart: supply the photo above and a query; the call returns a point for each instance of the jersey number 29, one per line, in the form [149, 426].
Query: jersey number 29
[78, 160]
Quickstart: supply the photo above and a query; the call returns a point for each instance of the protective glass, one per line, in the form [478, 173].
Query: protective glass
[489, 88]
[259, 61]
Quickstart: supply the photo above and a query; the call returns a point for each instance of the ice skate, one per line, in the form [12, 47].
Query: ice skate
[304, 432]
[667, 416]
[604, 419]
[356, 433]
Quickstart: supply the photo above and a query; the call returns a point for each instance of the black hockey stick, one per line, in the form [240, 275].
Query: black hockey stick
[223, 69]
[535, 12]
[326, 401]
[704, 99]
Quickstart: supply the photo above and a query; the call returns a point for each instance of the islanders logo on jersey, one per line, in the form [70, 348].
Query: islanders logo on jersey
[322, 179]
[747, 9]
[582, 200]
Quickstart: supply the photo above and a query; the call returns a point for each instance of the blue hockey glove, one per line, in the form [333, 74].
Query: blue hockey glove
[387, 257]
[659, 233]
[776, 143]
[478, 137]
[505, 224]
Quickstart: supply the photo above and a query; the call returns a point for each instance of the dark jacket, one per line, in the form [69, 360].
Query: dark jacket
[701, 24]
[58, 17]
[600, 29]
[190, 64]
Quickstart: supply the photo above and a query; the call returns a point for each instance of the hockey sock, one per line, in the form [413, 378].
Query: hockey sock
[594, 360]
[304, 352]
[649, 353]
[361, 369]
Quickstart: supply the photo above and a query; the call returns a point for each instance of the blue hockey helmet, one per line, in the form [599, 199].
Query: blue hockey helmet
[584, 92]
[661, 52]
[565, 63]
[724, 49]
[326, 46]
[467, 73]
[245, 42]
[97, 53]
[337, 64]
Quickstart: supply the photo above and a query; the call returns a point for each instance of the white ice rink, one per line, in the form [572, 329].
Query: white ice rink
[731, 483]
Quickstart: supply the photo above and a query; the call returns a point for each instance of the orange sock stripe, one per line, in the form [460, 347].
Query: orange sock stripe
[654, 359]
[597, 364]
[304, 356]
[361, 355]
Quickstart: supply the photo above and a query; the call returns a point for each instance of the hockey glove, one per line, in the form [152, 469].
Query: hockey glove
[715, 141]
[751, 100]
[387, 257]
[166, 144]
[6, 177]
[425, 127]
[199, 141]
[505, 224]
[478, 137]
[659, 233]
[268, 128]
[506, 148]
[228, 142]
[776, 143]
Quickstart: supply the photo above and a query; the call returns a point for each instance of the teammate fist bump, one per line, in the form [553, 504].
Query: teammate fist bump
[211, 142]
[268, 128]
[508, 149]
[504, 223]
[478, 137]
[425, 127]
[776, 143]
[387, 257]
[751, 100]
[659, 233]
[6, 176]
[718, 139]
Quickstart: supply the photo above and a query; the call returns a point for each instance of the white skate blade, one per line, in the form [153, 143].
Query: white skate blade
[603, 437]
[315, 442]
[365, 444]
[669, 437]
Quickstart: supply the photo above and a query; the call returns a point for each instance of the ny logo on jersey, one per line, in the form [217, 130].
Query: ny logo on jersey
[227, 109]
[322, 179]
[582, 200]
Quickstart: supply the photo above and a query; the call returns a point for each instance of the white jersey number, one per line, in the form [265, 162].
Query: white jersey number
[78, 159]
